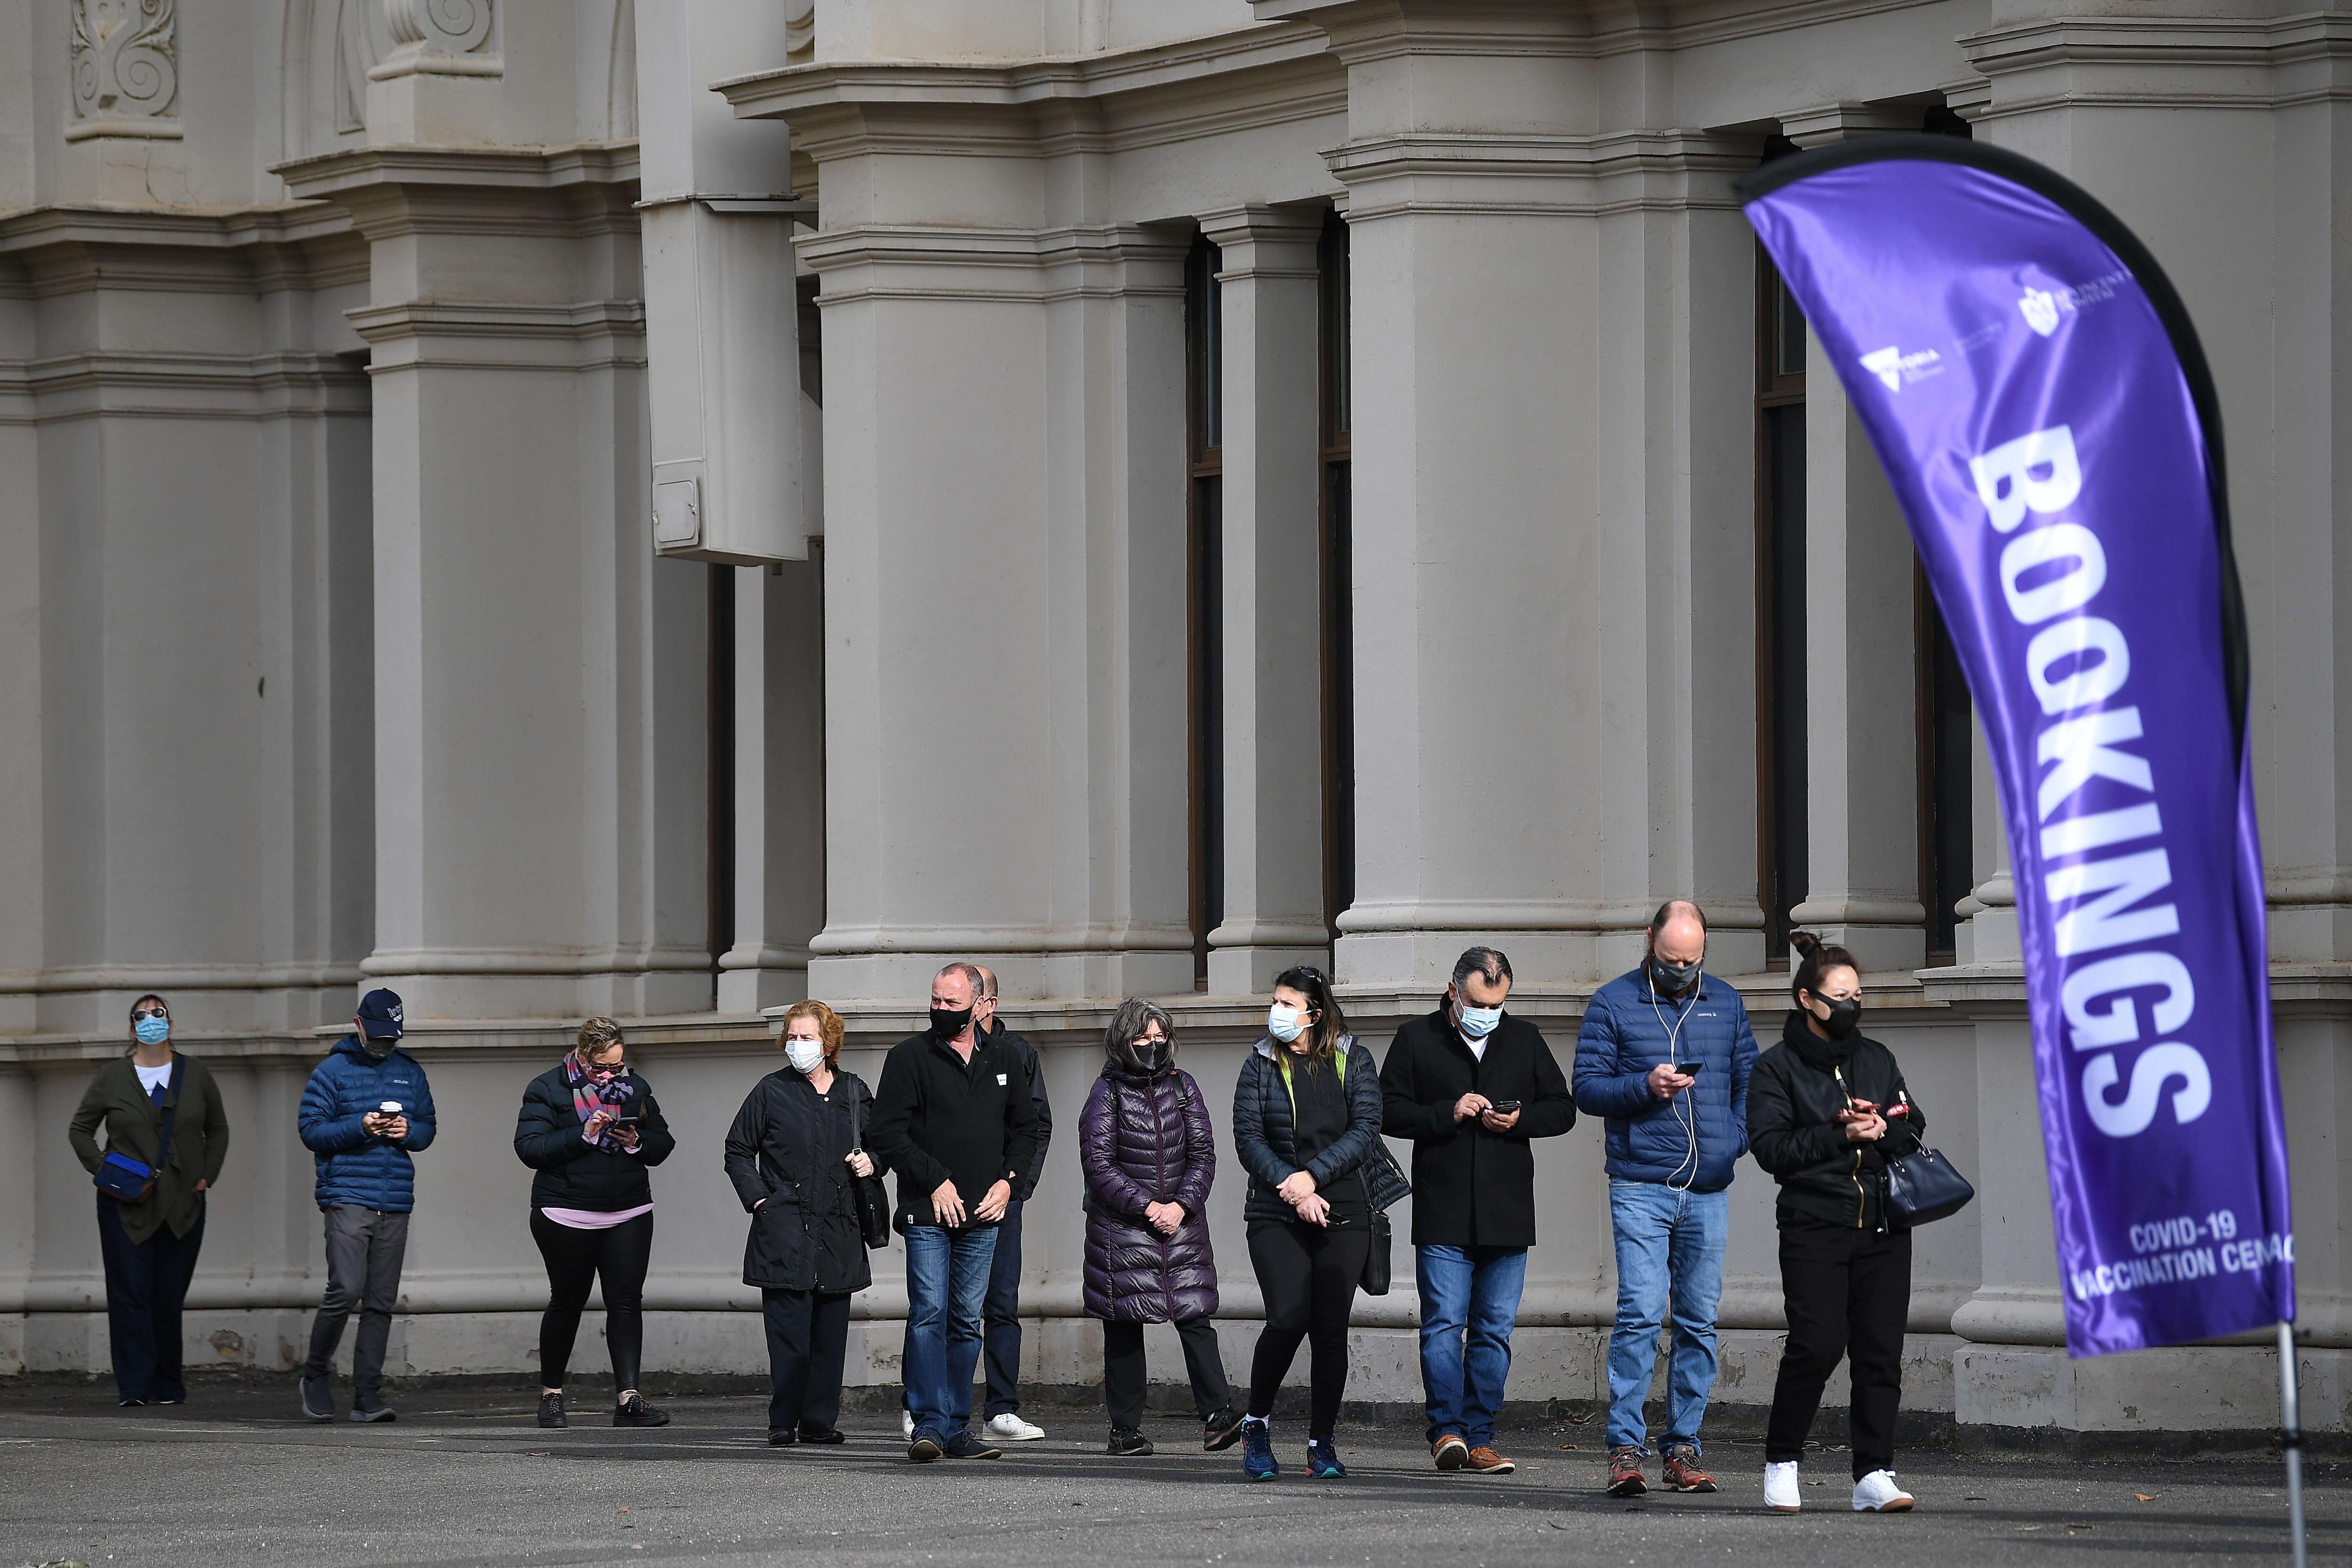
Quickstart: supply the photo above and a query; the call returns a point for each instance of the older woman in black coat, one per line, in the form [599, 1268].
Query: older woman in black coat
[794, 1154]
[1148, 1155]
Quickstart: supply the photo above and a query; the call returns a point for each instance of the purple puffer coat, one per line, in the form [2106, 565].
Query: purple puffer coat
[1146, 1140]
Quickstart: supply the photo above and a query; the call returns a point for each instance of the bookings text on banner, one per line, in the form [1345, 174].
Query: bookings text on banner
[2038, 398]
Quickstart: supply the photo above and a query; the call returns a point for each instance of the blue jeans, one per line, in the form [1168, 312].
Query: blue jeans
[1469, 1299]
[1000, 1316]
[947, 1282]
[1669, 1255]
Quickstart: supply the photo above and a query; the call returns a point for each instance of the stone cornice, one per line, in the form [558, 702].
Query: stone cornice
[177, 229]
[332, 174]
[2165, 62]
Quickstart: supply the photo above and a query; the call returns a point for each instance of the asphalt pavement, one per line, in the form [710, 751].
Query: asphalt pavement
[237, 1477]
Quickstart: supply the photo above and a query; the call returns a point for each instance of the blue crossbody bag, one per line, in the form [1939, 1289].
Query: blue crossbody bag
[121, 1176]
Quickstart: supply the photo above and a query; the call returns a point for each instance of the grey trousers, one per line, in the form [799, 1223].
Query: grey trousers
[365, 1251]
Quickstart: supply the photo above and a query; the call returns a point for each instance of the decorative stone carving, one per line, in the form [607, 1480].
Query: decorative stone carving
[356, 53]
[440, 37]
[800, 30]
[126, 71]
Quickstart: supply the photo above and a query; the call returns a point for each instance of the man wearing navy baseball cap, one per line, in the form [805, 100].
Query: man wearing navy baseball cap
[366, 1110]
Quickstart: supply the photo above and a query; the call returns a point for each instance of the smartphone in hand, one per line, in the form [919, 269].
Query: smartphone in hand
[1502, 1107]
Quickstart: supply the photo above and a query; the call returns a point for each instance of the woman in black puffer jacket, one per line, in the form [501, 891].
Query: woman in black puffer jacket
[1149, 1155]
[589, 1128]
[1826, 1110]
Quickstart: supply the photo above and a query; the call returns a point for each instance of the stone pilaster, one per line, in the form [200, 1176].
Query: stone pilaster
[1272, 742]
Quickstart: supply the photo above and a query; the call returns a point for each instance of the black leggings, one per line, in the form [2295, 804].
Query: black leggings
[574, 1259]
[1309, 1276]
[1847, 1292]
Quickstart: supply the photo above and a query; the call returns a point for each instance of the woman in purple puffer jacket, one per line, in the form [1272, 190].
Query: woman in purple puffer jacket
[1149, 1157]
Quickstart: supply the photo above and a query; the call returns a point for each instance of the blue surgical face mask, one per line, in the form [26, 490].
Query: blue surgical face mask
[1479, 1022]
[153, 1030]
[1285, 1024]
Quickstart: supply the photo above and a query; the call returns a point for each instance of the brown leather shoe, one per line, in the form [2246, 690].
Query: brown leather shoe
[1450, 1451]
[1488, 1462]
[1626, 1477]
[1682, 1474]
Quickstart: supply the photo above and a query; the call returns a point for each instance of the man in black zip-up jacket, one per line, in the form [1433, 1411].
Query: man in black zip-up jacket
[954, 1118]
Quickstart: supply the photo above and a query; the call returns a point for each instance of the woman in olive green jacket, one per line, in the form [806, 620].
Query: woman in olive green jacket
[150, 1245]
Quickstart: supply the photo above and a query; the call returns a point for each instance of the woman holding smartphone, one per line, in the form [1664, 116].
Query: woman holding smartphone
[1827, 1108]
[590, 1128]
[1307, 1127]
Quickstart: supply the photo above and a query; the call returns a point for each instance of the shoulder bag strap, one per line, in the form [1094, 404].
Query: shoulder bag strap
[171, 1115]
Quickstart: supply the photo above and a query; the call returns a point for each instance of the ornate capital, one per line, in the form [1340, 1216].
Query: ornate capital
[126, 72]
[440, 37]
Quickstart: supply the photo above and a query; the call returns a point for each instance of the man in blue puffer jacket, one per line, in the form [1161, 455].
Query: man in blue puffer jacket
[1663, 1057]
[365, 1110]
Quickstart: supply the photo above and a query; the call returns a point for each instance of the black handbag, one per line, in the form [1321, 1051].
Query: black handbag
[121, 1177]
[1922, 1186]
[1378, 1268]
[873, 1199]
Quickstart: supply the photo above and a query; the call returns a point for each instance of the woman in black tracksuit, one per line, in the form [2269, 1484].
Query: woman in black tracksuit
[590, 1128]
[1826, 1110]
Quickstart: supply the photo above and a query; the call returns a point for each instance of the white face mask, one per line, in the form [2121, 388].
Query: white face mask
[804, 1055]
[1285, 1024]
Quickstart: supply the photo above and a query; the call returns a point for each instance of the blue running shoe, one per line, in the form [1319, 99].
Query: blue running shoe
[1323, 1460]
[1258, 1463]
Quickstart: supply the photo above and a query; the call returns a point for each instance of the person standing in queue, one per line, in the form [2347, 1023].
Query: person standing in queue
[1000, 1309]
[589, 1128]
[1472, 1086]
[166, 1140]
[1307, 1127]
[1149, 1156]
[1828, 1108]
[793, 1157]
[954, 1119]
[366, 1112]
[1664, 1055]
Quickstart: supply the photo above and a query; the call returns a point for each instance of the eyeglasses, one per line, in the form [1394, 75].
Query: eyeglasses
[149, 1013]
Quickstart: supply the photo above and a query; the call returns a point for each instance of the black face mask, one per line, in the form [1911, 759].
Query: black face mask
[1844, 1017]
[1673, 979]
[947, 1023]
[377, 1050]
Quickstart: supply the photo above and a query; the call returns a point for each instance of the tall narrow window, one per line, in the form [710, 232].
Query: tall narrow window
[1946, 845]
[1779, 604]
[1338, 586]
[719, 877]
[1204, 593]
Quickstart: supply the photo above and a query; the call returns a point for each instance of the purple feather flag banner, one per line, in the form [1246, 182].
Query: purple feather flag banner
[2040, 401]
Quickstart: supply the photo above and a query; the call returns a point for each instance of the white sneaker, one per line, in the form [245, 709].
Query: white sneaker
[1781, 1491]
[1877, 1493]
[906, 1424]
[1010, 1428]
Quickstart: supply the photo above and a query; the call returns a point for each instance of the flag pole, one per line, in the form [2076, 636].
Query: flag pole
[2291, 1439]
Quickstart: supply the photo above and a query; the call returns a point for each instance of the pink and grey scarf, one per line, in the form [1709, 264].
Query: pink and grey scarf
[586, 1097]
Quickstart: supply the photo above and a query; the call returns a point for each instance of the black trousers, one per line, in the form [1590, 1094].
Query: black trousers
[808, 1338]
[146, 1284]
[1310, 1276]
[1123, 1370]
[1847, 1293]
[575, 1258]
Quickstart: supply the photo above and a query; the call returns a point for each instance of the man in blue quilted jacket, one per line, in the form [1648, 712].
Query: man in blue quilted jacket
[365, 1110]
[1664, 1059]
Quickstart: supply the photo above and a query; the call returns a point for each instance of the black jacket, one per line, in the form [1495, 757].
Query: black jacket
[936, 1119]
[1266, 1141]
[1026, 1054]
[574, 1173]
[1793, 1099]
[1472, 1187]
[790, 1147]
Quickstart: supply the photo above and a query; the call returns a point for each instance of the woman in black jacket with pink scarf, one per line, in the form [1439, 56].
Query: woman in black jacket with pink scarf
[590, 1128]
[1149, 1155]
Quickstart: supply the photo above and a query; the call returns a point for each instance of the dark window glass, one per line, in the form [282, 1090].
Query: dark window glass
[720, 870]
[1204, 596]
[1338, 587]
[1780, 606]
[1946, 843]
